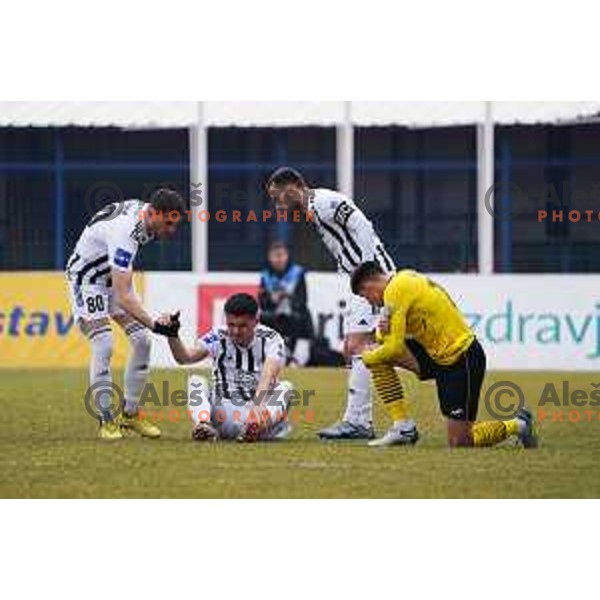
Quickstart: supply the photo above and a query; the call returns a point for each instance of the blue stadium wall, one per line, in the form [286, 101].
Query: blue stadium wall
[419, 186]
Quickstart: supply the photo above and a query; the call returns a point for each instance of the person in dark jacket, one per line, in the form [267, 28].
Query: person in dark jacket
[283, 302]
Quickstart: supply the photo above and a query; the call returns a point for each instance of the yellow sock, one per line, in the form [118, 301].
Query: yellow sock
[489, 433]
[389, 389]
[512, 427]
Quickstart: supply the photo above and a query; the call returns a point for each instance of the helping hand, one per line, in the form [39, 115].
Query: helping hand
[167, 325]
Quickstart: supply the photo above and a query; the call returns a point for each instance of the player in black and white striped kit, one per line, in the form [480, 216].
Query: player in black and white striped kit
[351, 239]
[246, 401]
[99, 275]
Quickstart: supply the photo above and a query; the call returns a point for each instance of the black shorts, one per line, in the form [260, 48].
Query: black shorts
[458, 385]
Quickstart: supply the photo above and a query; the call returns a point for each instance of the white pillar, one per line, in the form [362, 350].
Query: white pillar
[485, 182]
[199, 189]
[345, 152]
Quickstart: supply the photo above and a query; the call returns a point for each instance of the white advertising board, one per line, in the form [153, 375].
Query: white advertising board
[525, 322]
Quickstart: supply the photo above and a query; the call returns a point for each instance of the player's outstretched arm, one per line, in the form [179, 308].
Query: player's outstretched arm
[184, 355]
[130, 303]
[127, 300]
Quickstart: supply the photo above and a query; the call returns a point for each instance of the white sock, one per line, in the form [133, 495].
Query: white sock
[199, 399]
[138, 365]
[102, 342]
[359, 408]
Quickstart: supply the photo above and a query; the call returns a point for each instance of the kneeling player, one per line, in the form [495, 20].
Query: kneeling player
[246, 401]
[440, 346]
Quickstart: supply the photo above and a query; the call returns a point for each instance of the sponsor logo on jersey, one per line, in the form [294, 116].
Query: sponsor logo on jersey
[122, 258]
[343, 213]
[210, 339]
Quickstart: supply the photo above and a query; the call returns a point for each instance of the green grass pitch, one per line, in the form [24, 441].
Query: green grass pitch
[48, 448]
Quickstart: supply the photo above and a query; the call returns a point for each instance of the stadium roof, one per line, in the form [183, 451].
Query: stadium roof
[278, 114]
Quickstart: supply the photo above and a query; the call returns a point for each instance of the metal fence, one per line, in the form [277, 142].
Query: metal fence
[418, 185]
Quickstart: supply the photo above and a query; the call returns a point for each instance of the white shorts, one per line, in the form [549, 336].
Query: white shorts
[360, 316]
[228, 416]
[92, 302]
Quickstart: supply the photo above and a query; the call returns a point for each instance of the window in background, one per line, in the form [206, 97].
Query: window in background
[136, 162]
[27, 237]
[47, 174]
[551, 168]
[419, 187]
[240, 160]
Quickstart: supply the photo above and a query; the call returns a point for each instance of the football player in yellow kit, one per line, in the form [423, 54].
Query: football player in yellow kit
[428, 335]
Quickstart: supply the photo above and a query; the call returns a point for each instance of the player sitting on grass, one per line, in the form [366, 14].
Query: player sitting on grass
[246, 401]
[100, 280]
[440, 346]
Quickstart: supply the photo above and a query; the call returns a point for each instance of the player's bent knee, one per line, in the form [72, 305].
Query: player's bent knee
[286, 385]
[287, 391]
[355, 344]
[141, 343]
[460, 434]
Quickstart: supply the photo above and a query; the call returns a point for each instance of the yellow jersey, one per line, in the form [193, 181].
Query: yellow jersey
[419, 308]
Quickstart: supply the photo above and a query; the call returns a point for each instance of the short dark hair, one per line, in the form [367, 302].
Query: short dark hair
[278, 245]
[363, 272]
[241, 305]
[285, 175]
[165, 201]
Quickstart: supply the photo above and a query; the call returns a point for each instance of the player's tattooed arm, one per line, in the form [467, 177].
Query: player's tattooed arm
[127, 300]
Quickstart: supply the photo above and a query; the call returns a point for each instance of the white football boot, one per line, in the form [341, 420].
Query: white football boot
[401, 434]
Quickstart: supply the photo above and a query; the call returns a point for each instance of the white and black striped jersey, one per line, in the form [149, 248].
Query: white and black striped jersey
[237, 369]
[347, 233]
[110, 241]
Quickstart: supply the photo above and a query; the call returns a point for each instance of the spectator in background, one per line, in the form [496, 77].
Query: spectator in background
[283, 303]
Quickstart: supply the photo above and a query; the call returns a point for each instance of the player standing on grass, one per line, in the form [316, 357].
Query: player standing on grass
[351, 239]
[429, 336]
[246, 401]
[99, 275]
